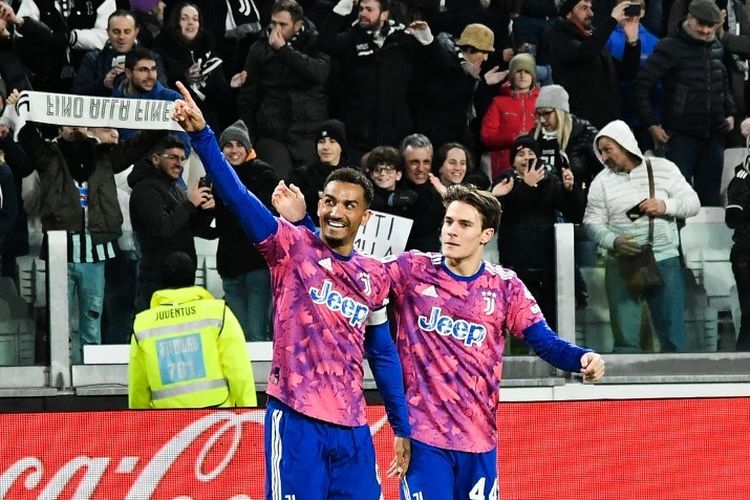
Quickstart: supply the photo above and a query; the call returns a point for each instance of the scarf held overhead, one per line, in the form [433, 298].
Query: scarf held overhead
[90, 111]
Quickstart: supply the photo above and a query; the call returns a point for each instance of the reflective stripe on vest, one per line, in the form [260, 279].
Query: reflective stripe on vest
[166, 330]
[181, 390]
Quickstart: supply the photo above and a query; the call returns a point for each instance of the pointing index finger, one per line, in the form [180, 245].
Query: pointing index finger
[185, 93]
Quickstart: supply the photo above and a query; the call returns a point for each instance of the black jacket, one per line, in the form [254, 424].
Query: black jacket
[164, 220]
[310, 179]
[446, 93]
[737, 215]
[581, 158]
[236, 255]
[375, 82]
[696, 94]
[527, 227]
[178, 57]
[427, 213]
[60, 200]
[284, 97]
[585, 68]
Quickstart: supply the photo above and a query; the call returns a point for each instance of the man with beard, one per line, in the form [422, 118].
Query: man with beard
[330, 311]
[583, 67]
[142, 82]
[284, 101]
[377, 57]
[78, 195]
[165, 216]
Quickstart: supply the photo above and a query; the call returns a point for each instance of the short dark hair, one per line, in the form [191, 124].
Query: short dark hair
[291, 6]
[168, 142]
[486, 204]
[122, 13]
[178, 271]
[385, 5]
[382, 155]
[353, 176]
[442, 154]
[138, 54]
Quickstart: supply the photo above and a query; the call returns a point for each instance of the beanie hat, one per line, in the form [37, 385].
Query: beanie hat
[553, 96]
[335, 130]
[525, 62]
[705, 10]
[524, 141]
[566, 6]
[143, 5]
[236, 132]
[478, 36]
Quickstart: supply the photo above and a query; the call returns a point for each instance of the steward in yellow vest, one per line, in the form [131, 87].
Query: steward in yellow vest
[188, 350]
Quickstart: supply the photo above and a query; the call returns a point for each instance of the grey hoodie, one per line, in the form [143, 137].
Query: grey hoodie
[612, 194]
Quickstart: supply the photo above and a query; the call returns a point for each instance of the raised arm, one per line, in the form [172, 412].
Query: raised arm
[256, 220]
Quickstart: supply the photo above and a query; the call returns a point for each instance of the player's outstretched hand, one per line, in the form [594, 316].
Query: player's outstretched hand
[400, 463]
[186, 112]
[289, 202]
[592, 366]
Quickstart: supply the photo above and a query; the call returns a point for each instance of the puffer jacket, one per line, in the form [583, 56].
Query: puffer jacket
[697, 98]
[511, 114]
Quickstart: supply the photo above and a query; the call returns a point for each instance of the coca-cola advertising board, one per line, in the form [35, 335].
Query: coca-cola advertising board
[635, 449]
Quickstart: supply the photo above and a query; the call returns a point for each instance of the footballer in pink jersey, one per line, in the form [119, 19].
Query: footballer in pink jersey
[453, 311]
[329, 303]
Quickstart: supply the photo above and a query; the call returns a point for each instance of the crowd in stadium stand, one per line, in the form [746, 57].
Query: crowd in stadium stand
[508, 95]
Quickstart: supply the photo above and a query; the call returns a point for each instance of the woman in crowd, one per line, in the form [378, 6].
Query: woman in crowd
[532, 197]
[456, 167]
[565, 141]
[187, 50]
[511, 113]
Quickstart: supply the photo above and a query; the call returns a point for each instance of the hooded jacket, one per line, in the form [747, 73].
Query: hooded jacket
[613, 194]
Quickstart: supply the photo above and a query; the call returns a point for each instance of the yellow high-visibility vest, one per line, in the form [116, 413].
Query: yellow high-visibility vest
[179, 346]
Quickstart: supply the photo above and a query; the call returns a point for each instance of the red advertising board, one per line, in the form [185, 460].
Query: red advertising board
[635, 449]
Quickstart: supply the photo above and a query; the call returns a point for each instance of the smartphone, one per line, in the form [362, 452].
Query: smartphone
[204, 182]
[118, 60]
[633, 10]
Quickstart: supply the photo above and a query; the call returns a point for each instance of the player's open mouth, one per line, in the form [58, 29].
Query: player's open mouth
[336, 224]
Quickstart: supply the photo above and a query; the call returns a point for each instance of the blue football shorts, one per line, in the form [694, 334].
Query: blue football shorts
[439, 474]
[308, 459]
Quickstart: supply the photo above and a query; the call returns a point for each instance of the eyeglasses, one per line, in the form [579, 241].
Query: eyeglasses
[543, 113]
[384, 169]
[173, 157]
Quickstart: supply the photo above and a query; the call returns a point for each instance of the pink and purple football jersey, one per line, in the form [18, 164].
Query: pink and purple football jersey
[451, 340]
[322, 304]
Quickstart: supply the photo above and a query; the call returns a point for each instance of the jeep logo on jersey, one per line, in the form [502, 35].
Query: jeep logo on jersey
[333, 300]
[469, 333]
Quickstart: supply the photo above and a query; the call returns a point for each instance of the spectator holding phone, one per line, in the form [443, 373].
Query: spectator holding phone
[102, 70]
[531, 198]
[630, 32]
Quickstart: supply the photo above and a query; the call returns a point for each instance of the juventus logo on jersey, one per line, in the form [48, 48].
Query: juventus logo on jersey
[489, 301]
[365, 278]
